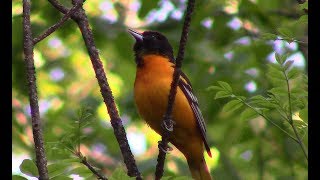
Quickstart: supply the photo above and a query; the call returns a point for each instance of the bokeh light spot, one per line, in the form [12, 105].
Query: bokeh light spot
[207, 22]
[251, 86]
[235, 23]
[56, 74]
[137, 142]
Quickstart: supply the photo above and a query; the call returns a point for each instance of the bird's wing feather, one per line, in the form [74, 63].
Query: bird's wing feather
[185, 86]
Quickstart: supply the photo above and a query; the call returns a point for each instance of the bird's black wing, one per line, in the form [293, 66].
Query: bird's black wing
[185, 86]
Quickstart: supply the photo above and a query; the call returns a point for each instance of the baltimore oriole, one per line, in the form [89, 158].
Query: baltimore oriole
[155, 65]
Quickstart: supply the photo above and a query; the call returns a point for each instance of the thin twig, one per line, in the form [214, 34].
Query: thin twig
[290, 118]
[167, 119]
[293, 40]
[41, 160]
[53, 28]
[265, 117]
[86, 163]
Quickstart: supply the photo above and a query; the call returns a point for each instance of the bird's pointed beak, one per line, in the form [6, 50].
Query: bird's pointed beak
[136, 35]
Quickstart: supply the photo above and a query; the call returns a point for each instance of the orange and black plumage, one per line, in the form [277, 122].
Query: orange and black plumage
[155, 66]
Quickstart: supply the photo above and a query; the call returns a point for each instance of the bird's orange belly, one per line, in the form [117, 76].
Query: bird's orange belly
[152, 99]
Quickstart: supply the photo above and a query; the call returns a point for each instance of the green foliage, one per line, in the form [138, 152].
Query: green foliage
[17, 177]
[146, 7]
[282, 97]
[29, 168]
[120, 173]
[176, 178]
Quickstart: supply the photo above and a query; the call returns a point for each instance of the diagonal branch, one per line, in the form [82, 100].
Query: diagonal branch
[59, 6]
[41, 160]
[167, 119]
[53, 28]
[81, 19]
[86, 163]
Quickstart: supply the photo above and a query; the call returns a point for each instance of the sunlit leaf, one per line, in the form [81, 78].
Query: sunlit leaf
[304, 5]
[269, 36]
[17, 177]
[248, 113]
[222, 94]
[61, 177]
[211, 88]
[57, 169]
[29, 168]
[303, 19]
[285, 32]
[82, 171]
[279, 91]
[304, 114]
[119, 173]
[279, 58]
[232, 105]
[293, 73]
[263, 102]
[225, 86]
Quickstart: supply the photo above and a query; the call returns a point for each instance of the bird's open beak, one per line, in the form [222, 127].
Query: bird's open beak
[136, 35]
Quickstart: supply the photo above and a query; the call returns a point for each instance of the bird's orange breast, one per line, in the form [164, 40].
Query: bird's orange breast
[151, 90]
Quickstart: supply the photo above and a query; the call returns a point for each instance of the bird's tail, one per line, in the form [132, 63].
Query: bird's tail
[199, 171]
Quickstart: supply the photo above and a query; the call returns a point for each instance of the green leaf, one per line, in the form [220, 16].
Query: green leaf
[285, 32]
[304, 114]
[70, 160]
[29, 168]
[222, 94]
[298, 92]
[274, 67]
[269, 36]
[213, 88]
[293, 73]
[280, 91]
[298, 103]
[263, 102]
[279, 58]
[304, 5]
[18, 177]
[57, 169]
[61, 177]
[247, 114]
[225, 86]
[303, 19]
[82, 171]
[232, 105]
[119, 173]
[276, 74]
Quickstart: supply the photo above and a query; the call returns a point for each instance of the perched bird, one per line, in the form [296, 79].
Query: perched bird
[155, 65]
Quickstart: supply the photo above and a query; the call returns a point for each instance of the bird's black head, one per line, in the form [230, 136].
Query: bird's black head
[151, 42]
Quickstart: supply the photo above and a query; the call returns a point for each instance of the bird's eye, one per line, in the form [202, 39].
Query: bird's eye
[153, 37]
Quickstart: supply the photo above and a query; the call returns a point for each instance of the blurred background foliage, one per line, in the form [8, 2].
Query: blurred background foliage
[227, 42]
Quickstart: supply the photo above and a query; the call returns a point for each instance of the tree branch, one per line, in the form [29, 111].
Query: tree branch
[86, 163]
[59, 6]
[41, 160]
[53, 28]
[167, 123]
[81, 19]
